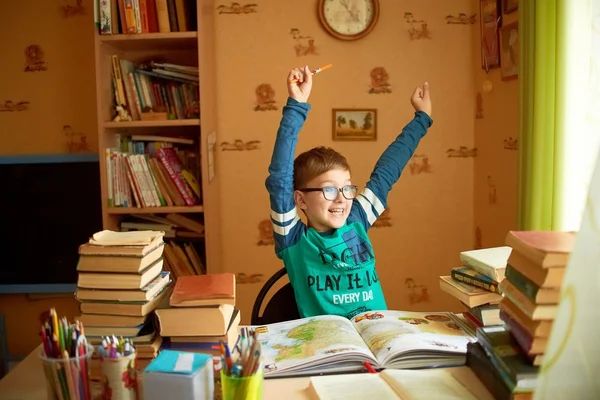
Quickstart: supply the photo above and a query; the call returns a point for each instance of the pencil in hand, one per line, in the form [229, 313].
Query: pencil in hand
[316, 71]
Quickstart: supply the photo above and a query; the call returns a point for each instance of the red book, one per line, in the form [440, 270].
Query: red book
[203, 290]
[545, 248]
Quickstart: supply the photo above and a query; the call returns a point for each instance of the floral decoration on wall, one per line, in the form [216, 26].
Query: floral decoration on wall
[462, 151]
[510, 143]
[240, 145]
[243, 278]
[384, 220]
[419, 163]
[479, 105]
[265, 233]
[34, 59]
[304, 45]
[379, 81]
[416, 293]
[76, 141]
[11, 106]
[72, 9]
[461, 19]
[237, 8]
[417, 29]
[265, 98]
[492, 198]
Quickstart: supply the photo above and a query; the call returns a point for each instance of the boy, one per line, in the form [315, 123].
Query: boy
[330, 262]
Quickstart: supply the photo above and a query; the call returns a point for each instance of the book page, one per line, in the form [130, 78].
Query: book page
[355, 386]
[426, 384]
[305, 343]
[111, 238]
[391, 333]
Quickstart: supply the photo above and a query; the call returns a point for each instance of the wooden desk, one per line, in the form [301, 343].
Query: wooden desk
[27, 382]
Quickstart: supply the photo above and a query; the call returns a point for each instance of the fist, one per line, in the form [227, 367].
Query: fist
[299, 84]
[420, 99]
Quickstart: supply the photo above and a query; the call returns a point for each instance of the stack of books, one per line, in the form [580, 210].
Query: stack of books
[121, 281]
[476, 284]
[199, 314]
[507, 358]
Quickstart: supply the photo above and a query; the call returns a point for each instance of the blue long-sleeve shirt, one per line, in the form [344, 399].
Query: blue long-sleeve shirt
[333, 272]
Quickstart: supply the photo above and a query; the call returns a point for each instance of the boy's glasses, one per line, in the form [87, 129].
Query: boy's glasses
[331, 192]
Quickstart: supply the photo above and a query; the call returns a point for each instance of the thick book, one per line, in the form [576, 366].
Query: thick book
[106, 280]
[535, 328]
[146, 293]
[386, 339]
[535, 312]
[204, 290]
[526, 286]
[119, 263]
[541, 277]
[545, 248]
[490, 261]
[470, 295]
[471, 277]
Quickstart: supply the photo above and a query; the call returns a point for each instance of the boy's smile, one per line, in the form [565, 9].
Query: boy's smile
[324, 215]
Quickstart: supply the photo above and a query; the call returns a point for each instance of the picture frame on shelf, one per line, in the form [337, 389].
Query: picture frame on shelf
[354, 124]
[510, 6]
[509, 51]
[490, 21]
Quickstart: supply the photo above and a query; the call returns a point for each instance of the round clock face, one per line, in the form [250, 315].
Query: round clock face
[348, 19]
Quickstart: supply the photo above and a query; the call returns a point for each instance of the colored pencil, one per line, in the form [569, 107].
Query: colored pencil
[316, 71]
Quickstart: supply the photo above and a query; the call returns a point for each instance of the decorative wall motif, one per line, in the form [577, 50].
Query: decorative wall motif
[9, 105]
[419, 163]
[417, 28]
[265, 233]
[34, 59]
[492, 199]
[76, 141]
[305, 45]
[384, 220]
[461, 19]
[379, 81]
[416, 293]
[237, 8]
[479, 105]
[240, 145]
[70, 9]
[462, 151]
[265, 98]
[243, 278]
[510, 143]
[478, 239]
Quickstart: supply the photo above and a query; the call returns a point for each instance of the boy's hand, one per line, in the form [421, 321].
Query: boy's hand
[420, 99]
[300, 90]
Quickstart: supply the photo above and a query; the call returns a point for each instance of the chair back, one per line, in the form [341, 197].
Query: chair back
[281, 307]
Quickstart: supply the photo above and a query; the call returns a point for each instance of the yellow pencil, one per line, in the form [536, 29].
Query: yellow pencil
[316, 71]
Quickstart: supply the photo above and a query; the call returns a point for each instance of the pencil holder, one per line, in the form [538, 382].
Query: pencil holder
[67, 379]
[119, 377]
[242, 388]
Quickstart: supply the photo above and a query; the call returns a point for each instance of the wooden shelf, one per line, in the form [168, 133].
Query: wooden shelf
[155, 210]
[152, 41]
[151, 124]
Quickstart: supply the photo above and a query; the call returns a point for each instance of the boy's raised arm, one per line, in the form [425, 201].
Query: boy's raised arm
[280, 182]
[371, 203]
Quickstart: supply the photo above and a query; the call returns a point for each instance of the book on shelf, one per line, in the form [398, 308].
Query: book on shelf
[489, 261]
[144, 294]
[391, 384]
[386, 339]
[146, 16]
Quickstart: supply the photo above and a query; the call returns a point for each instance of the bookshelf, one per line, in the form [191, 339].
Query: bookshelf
[189, 48]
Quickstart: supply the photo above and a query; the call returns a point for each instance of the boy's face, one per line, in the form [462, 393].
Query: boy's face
[322, 214]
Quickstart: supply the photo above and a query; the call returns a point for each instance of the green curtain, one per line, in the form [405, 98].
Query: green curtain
[541, 134]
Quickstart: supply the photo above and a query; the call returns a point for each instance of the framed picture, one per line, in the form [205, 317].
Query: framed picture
[354, 124]
[510, 5]
[489, 11]
[509, 51]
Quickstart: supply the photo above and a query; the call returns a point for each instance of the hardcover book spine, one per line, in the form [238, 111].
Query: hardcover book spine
[525, 286]
[169, 159]
[472, 280]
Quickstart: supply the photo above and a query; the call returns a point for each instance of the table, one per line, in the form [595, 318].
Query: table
[27, 382]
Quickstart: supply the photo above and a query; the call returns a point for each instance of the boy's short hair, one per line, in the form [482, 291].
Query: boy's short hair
[315, 162]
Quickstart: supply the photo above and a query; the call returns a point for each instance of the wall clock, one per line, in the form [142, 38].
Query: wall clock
[348, 19]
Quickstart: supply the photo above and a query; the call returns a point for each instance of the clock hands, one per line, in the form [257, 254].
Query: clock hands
[354, 15]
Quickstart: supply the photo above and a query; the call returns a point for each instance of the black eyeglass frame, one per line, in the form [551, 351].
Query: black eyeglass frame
[338, 190]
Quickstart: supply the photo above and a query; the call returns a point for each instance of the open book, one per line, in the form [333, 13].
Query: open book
[386, 339]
